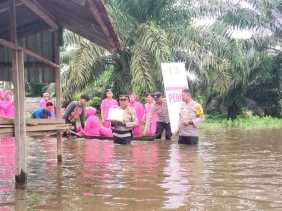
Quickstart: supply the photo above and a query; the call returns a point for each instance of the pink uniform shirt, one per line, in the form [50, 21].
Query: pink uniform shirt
[7, 108]
[42, 103]
[92, 124]
[106, 105]
[151, 120]
[140, 111]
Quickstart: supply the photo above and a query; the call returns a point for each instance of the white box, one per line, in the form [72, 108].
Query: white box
[116, 114]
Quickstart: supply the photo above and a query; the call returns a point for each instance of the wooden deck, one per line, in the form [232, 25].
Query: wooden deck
[34, 127]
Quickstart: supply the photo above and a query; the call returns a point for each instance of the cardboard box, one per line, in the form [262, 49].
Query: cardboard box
[116, 114]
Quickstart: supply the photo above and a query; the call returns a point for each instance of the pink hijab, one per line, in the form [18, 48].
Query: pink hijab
[90, 111]
[92, 124]
[7, 108]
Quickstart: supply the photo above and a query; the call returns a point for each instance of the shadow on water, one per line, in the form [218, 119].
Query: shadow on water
[228, 170]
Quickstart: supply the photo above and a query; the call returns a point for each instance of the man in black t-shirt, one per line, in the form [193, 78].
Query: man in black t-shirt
[75, 111]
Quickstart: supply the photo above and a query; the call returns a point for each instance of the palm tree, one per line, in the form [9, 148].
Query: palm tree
[250, 60]
[154, 31]
[149, 37]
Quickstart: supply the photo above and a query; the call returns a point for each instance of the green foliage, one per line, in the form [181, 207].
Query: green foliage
[232, 73]
[246, 113]
[152, 48]
[34, 89]
[76, 97]
[249, 122]
[200, 99]
[95, 102]
[280, 107]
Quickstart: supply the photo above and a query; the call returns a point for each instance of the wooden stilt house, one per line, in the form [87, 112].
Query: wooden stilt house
[30, 37]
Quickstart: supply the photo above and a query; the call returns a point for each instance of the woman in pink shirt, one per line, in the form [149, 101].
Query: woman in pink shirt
[106, 105]
[150, 117]
[2, 92]
[45, 99]
[7, 108]
[139, 110]
[92, 124]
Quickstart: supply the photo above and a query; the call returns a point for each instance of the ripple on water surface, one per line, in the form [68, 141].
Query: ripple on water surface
[230, 170]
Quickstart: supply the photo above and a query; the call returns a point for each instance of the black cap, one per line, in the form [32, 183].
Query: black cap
[157, 95]
[85, 97]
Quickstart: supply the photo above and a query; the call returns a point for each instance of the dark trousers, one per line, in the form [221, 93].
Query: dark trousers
[71, 123]
[122, 137]
[190, 140]
[161, 126]
[118, 140]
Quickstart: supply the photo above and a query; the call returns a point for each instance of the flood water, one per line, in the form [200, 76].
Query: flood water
[228, 170]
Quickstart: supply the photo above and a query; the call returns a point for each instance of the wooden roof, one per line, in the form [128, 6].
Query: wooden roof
[87, 18]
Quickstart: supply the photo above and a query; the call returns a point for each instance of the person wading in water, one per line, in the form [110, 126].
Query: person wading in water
[75, 111]
[190, 117]
[107, 103]
[163, 123]
[122, 130]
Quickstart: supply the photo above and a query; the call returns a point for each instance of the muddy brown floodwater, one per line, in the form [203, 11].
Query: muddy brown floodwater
[228, 170]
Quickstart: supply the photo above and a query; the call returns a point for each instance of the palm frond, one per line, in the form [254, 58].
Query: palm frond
[151, 49]
[141, 70]
[154, 39]
[125, 23]
[87, 61]
[98, 86]
[207, 51]
[72, 39]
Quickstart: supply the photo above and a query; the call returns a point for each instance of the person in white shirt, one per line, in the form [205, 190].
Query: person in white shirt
[190, 117]
[122, 130]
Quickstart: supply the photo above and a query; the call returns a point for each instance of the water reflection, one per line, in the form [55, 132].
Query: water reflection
[7, 171]
[229, 170]
[96, 154]
[176, 182]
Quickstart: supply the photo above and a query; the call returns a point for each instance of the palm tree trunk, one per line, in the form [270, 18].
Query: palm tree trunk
[233, 110]
[122, 84]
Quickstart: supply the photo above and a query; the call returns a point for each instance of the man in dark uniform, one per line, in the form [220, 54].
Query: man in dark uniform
[163, 122]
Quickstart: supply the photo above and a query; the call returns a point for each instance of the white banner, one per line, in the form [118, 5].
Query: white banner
[175, 80]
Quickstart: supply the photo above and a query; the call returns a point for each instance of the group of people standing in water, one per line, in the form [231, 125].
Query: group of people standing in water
[151, 119]
[135, 114]
[139, 111]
